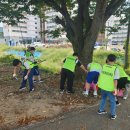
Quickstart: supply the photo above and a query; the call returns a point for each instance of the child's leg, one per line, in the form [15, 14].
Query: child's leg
[95, 80]
[87, 84]
[103, 101]
[23, 84]
[113, 103]
[126, 91]
[117, 101]
[87, 87]
[95, 90]
[63, 79]
[30, 79]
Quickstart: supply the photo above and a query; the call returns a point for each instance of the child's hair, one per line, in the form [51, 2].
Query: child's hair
[32, 49]
[111, 58]
[75, 54]
[16, 62]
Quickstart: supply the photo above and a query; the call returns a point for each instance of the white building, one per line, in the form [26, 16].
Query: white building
[116, 37]
[50, 25]
[25, 31]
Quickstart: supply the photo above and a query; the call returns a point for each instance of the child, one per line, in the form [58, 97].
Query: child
[123, 82]
[27, 66]
[92, 77]
[108, 84]
[30, 56]
[67, 72]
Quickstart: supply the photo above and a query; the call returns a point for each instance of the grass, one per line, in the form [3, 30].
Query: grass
[55, 56]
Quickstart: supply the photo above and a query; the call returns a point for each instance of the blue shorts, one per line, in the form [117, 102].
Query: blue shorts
[36, 71]
[92, 77]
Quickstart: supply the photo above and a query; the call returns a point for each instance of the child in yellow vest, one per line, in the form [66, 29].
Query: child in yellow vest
[108, 84]
[67, 72]
[92, 77]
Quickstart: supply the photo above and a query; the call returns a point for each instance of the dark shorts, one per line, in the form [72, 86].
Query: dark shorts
[122, 82]
[92, 77]
[36, 71]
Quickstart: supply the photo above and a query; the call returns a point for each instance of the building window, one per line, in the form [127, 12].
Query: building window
[35, 27]
[35, 23]
[19, 31]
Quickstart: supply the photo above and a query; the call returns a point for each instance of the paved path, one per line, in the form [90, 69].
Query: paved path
[88, 119]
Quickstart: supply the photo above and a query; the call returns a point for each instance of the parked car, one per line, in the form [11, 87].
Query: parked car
[37, 44]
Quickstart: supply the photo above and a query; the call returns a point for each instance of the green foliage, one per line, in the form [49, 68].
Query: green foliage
[3, 47]
[101, 55]
[54, 58]
[6, 59]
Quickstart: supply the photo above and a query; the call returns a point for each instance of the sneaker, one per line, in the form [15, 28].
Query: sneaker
[125, 97]
[40, 81]
[21, 89]
[34, 81]
[85, 93]
[31, 90]
[95, 93]
[62, 91]
[101, 112]
[117, 103]
[70, 92]
[113, 117]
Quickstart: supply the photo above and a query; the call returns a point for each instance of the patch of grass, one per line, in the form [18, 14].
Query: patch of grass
[54, 58]
[6, 59]
[101, 55]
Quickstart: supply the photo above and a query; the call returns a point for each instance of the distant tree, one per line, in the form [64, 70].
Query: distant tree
[124, 15]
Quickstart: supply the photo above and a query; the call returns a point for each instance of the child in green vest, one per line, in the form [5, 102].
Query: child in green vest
[28, 73]
[123, 82]
[92, 77]
[108, 84]
[67, 72]
[30, 56]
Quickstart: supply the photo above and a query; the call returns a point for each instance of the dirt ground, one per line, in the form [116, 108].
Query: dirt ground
[21, 108]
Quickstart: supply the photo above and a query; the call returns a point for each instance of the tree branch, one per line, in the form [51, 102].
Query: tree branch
[60, 21]
[111, 8]
[67, 15]
[53, 4]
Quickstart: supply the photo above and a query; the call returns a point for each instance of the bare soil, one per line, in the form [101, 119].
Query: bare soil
[22, 108]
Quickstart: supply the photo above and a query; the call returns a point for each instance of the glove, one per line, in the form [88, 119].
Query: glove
[14, 75]
[26, 77]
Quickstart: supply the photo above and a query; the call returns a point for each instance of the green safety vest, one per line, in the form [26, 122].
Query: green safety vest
[28, 54]
[31, 65]
[121, 71]
[106, 78]
[70, 63]
[96, 66]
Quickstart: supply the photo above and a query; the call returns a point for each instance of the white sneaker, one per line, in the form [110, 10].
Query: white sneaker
[125, 97]
[95, 93]
[85, 93]
[21, 89]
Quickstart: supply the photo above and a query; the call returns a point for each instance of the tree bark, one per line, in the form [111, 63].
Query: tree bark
[127, 60]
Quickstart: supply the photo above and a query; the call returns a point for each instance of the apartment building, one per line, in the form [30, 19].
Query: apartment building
[26, 31]
[116, 37]
[50, 25]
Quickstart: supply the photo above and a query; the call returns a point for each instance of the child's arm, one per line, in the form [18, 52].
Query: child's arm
[116, 77]
[27, 74]
[83, 68]
[115, 85]
[14, 71]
